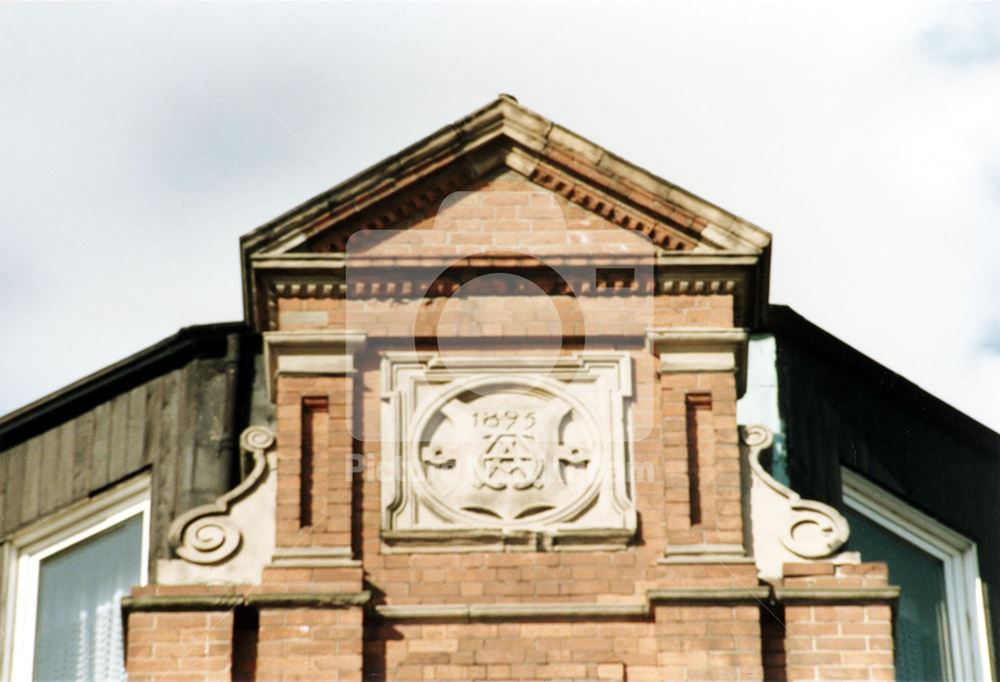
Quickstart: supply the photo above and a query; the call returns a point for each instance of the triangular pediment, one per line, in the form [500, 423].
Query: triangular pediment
[505, 147]
[505, 136]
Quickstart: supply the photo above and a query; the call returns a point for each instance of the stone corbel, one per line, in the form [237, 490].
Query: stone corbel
[787, 528]
[327, 353]
[701, 350]
[231, 538]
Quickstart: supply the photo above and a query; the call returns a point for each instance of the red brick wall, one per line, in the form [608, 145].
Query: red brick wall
[506, 214]
[679, 643]
[520, 315]
[311, 414]
[179, 647]
[838, 641]
[502, 212]
[567, 576]
[310, 644]
[700, 449]
[848, 642]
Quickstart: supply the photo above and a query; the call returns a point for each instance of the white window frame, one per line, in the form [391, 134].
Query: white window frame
[968, 640]
[54, 533]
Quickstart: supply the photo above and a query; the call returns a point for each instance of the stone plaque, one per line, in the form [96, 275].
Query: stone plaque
[487, 450]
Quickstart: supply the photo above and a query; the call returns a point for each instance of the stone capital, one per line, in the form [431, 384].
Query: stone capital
[323, 353]
[701, 350]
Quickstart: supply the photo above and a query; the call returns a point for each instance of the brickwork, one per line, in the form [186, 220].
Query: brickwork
[188, 646]
[698, 417]
[678, 643]
[833, 640]
[306, 579]
[505, 214]
[312, 414]
[491, 577]
[502, 212]
[310, 644]
[507, 317]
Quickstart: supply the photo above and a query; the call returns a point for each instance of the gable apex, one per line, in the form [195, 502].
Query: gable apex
[696, 243]
[506, 134]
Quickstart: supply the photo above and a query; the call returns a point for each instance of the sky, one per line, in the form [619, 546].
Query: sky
[139, 141]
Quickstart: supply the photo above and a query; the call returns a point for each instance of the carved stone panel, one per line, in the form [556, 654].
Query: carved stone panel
[487, 450]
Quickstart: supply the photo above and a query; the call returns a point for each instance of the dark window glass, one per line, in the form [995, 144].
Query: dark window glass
[921, 622]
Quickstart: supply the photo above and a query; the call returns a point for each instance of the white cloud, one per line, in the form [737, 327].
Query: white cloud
[139, 142]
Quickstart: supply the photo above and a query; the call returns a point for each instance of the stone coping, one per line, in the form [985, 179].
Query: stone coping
[564, 610]
[482, 612]
[526, 611]
[222, 602]
[795, 595]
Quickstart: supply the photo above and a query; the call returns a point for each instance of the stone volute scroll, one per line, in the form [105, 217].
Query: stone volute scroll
[492, 451]
[787, 528]
[236, 530]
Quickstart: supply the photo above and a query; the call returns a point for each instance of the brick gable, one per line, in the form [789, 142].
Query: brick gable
[504, 261]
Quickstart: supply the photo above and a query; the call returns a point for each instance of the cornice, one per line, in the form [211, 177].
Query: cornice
[313, 557]
[523, 611]
[181, 602]
[674, 274]
[667, 227]
[517, 611]
[695, 338]
[312, 600]
[755, 594]
[614, 198]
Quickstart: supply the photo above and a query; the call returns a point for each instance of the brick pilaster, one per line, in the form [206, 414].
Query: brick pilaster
[314, 502]
[702, 460]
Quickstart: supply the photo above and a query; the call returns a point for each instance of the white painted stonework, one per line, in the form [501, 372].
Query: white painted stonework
[489, 449]
[787, 528]
[231, 539]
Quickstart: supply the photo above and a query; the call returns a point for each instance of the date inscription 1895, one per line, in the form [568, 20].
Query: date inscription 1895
[508, 420]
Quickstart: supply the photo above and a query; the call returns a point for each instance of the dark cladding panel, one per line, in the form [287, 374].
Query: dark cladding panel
[170, 418]
[842, 408]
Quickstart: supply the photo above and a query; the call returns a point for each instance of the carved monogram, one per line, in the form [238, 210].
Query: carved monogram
[488, 447]
[507, 454]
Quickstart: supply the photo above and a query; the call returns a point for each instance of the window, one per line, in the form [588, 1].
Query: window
[940, 623]
[67, 574]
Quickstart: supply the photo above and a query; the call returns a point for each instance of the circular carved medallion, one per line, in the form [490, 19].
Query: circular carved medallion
[508, 455]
